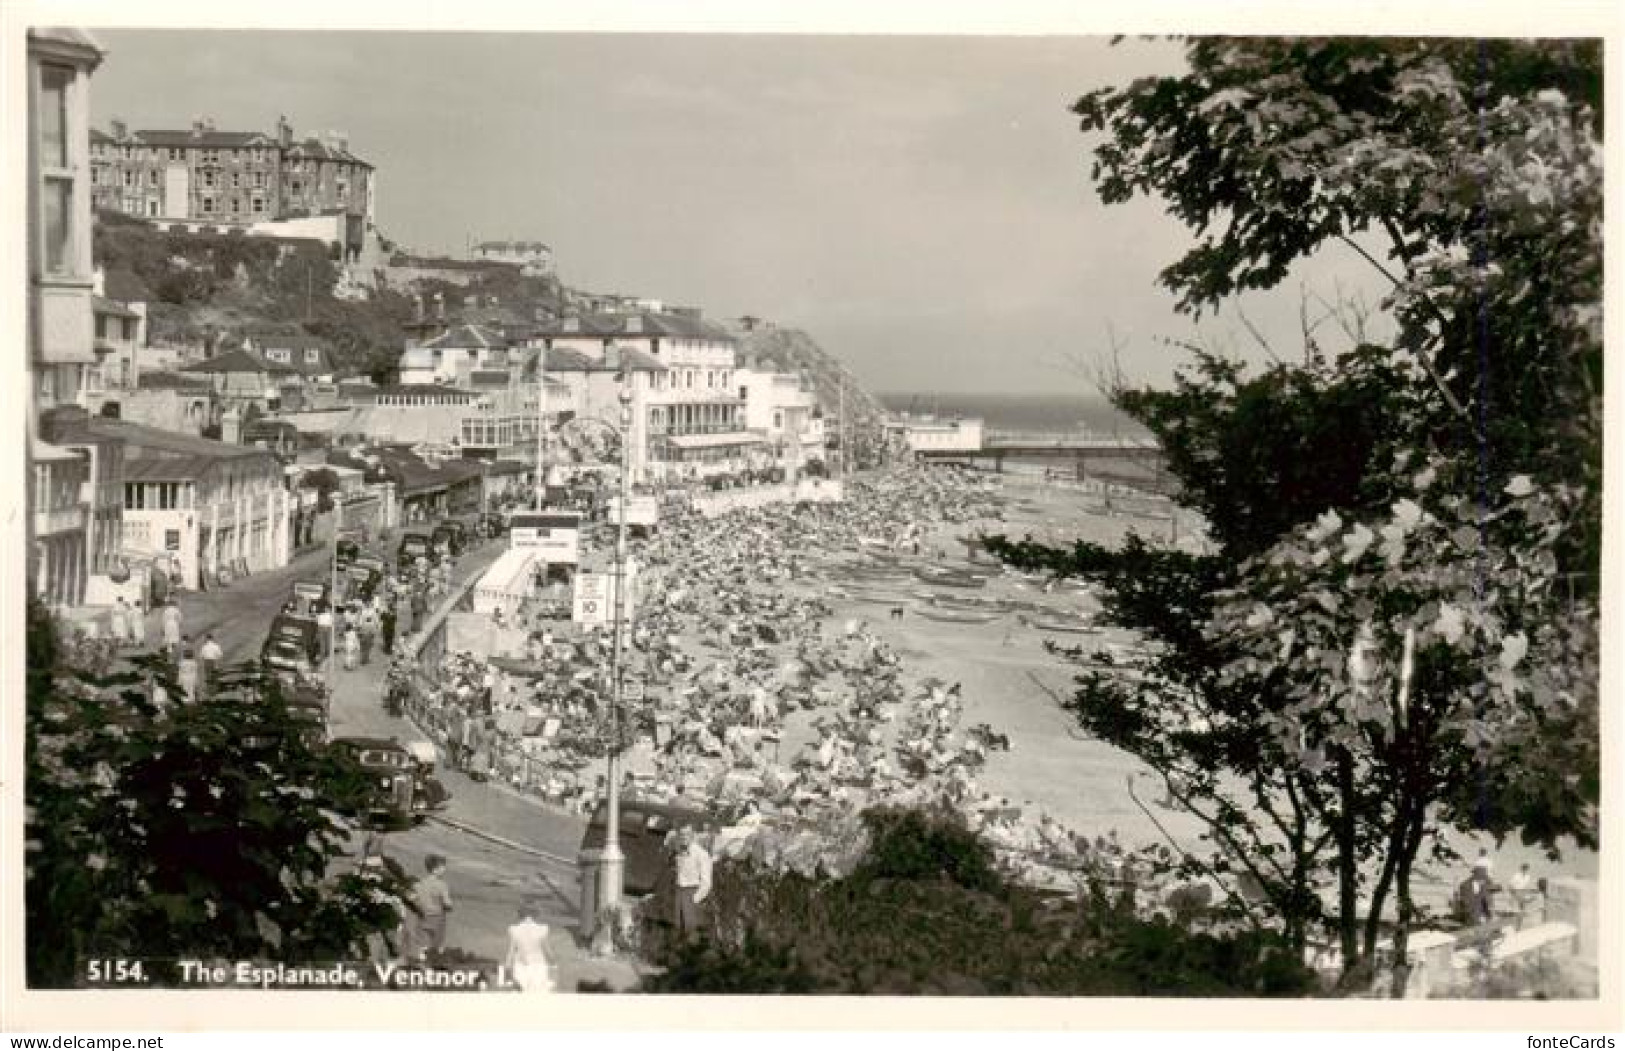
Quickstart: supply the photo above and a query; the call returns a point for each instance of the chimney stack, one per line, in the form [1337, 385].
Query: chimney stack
[199, 125]
[284, 132]
[121, 130]
[440, 306]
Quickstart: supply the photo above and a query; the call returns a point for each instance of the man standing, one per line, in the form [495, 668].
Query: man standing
[120, 625]
[367, 624]
[172, 631]
[210, 655]
[138, 626]
[433, 902]
[693, 881]
[386, 627]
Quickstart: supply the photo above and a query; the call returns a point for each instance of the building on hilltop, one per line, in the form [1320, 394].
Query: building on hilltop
[229, 177]
[534, 258]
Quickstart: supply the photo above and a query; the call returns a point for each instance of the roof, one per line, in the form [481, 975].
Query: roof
[501, 467]
[171, 381]
[230, 361]
[321, 151]
[565, 359]
[646, 323]
[511, 246]
[126, 287]
[467, 336]
[43, 451]
[706, 441]
[489, 377]
[207, 139]
[417, 358]
[269, 337]
[75, 43]
[103, 305]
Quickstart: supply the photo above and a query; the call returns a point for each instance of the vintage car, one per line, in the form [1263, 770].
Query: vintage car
[346, 550]
[452, 536]
[382, 787]
[413, 546]
[308, 596]
[292, 637]
[362, 581]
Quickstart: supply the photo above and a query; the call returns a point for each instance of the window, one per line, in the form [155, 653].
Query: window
[152, 178]
[312, 356]
[208, 180]
[259, 180]
[174, 153]
[236, 181]
[101, 326]
[233, 205]
[298, 187]
[152, 208]
[58, 225]
[259, 204]
[208, 204]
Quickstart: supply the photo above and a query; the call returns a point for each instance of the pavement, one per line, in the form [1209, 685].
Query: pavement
[501, 847]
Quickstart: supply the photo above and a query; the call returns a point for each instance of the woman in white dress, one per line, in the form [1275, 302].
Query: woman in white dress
[527, 964]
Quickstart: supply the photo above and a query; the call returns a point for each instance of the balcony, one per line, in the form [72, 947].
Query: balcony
[60, 520]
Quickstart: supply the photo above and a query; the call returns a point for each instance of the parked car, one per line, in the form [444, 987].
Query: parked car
[452, 536]
[382, 786]
[346, 550]
[309, 596]
[644, 828]
[290, 638]
[413, 546]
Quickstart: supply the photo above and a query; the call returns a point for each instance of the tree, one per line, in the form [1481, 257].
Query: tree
[169, 831]
[1479, 166]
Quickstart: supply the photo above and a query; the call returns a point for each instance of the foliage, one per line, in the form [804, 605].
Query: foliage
[1478, 165]
[165, 830]
[924, 913]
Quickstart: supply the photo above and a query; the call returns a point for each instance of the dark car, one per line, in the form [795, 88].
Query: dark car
[493, 525]
[292, 637]
[413, 546]
[644, 828]
[364, 581]
[346, 550]
[381, 788]
[452, 535]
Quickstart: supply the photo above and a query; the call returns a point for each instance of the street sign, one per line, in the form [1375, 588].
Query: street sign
[594, 604]
[592, 599]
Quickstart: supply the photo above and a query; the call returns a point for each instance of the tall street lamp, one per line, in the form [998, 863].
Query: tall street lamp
[613, 863]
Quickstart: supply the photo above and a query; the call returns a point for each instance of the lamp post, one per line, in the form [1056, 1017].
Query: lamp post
[613, 862]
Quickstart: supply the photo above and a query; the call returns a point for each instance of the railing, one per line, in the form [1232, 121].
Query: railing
[1068, 440]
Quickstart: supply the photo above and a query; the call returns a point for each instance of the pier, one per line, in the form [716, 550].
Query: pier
[1132, 461]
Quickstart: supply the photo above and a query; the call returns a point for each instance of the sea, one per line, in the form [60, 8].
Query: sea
[1050, 413]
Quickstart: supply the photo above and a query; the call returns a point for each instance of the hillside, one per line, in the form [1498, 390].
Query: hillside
[792, 350]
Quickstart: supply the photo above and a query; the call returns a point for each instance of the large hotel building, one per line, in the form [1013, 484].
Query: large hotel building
[227, 177]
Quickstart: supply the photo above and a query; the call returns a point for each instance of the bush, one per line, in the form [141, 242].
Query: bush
[926, 911]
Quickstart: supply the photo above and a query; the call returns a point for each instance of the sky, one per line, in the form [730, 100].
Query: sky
[921, 206]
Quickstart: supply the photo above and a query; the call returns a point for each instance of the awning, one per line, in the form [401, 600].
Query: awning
[708, 441]
[45, 451]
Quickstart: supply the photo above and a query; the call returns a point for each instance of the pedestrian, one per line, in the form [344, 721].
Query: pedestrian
[172, 630]
[367, 628]
[210, 654]
[1475, 898]
[386, 629]
[420, 607]
[324, 628]
[120, 625]
[352, 648]
[433, 899]
[693, 880]
[138, 627]
[527, 963]
[1524, 891]
[186, 676]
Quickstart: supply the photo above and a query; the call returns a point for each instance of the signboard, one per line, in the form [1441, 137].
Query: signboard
[555, 536]
[172, 540]
[594, 599]
[640, 511]
[594, 604]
